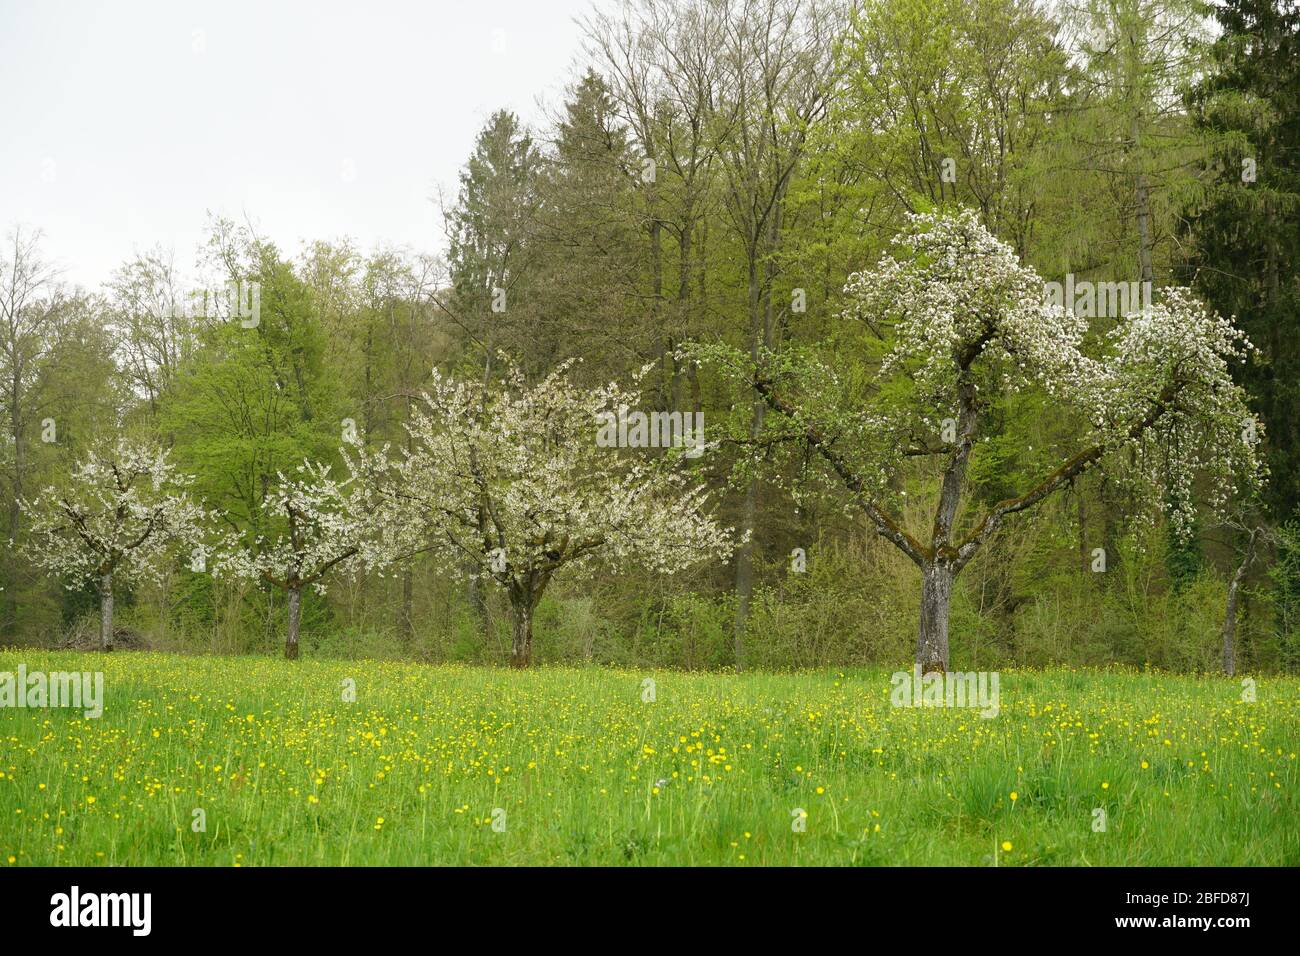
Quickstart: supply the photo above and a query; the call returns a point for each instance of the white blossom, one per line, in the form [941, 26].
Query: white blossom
[328, 525]
[123, 512]
[511, 485]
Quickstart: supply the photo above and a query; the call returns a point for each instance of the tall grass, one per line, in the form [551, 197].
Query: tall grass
[581, 767]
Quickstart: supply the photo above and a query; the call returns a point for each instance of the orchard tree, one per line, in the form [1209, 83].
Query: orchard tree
[513, 483]
[122, 515]
[327, 525]
[952, 328]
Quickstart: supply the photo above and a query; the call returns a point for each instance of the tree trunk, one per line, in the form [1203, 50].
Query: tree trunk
[749, 516]
[1085, 562]
[295, 614]
[1146, 274]
[745, 567]
[683, 308]
[106, 611]
[408, 600]
[15, 510]
[521, 651]
[1230, 613]
[475, 597]
[936, 598]
[1112, 509]
[1145, 269]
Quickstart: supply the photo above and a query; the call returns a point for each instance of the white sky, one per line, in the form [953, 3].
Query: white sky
[124, 123]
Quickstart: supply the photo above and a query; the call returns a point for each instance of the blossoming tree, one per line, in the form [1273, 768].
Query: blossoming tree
[327, 526]
[952, 327]
[512, 484]
[122, 515]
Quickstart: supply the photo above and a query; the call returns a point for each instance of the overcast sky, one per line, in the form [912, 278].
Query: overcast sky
[126, 122]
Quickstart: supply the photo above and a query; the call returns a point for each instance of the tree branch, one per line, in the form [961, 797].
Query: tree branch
[886, 526]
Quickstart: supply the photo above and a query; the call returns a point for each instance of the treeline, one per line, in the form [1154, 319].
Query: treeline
[715, 173]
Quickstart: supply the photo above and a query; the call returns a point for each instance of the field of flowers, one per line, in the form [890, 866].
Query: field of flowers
[457, 765]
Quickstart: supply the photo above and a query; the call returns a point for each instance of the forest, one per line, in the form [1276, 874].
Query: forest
[803, 334]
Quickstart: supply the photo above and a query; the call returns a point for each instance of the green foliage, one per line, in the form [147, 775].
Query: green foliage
[1243, 229]
[255, 402]
[1285, 575]
[1068, 126]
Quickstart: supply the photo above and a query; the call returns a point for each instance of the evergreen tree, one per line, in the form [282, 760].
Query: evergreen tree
[491, 237]
[1244, 230]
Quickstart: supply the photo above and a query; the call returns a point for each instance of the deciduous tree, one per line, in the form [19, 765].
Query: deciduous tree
[958, 325]
[509, 481]
[123, 513]
[327, 525]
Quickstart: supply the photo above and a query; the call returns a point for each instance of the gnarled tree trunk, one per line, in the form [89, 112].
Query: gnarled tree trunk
[478, 601]
[1230, 612]
[521, 650]
[295, 617]
[936, 598]
[106, 611]
[408, 600]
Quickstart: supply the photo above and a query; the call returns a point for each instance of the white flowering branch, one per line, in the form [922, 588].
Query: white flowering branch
[122, 514]
[956, 323]
[512, 483]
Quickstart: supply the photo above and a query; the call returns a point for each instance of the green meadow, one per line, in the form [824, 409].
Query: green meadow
[250, 761]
